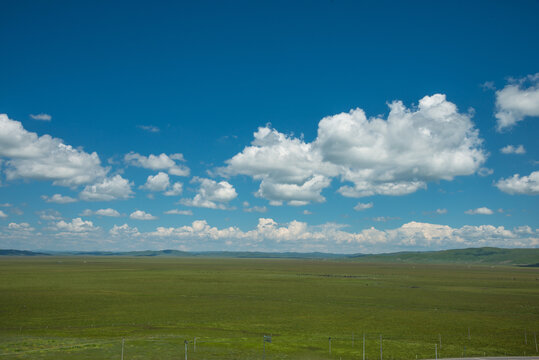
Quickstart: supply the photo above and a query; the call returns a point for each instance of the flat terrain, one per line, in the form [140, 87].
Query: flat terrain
[81, 308]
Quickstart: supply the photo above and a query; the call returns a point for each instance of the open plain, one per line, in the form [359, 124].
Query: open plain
[82, 307]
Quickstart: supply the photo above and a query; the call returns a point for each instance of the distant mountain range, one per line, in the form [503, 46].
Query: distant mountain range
[485, 255]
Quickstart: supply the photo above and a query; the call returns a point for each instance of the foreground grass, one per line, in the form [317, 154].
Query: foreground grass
[72, 307]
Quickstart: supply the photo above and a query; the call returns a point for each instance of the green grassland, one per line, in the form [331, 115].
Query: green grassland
[81, 308]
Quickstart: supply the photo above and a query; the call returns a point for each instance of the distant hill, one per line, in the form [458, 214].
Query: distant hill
[485, 255]
[10, 252]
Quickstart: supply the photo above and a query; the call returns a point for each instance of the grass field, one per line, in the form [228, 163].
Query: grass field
[81, 308]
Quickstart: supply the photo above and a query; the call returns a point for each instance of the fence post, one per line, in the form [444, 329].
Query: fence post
[363, 346]
[381, 353]
[436, 351]
[186, 343]
[123, 340]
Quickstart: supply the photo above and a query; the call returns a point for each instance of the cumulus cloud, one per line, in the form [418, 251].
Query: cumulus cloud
[479, 211]
[517, 100]
[3, 215]
[77, 225]
[289, 168]
[175, 190]
[523, 185]
[58, 199]
[211, 194]
[30, 156]
[49, 215]
[297, 235]
[362, 206]
[111, 188]
[159, 182]
[41, 117]
[124, 231]
[24, 226]
[158, 162]
[142, 215]
[101, 212]
[510, 149]
[441, 211]
[178, 212]
[393, 156]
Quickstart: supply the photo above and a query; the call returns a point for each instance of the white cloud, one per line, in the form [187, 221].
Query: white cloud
[49, 215]
[517, 100]
[101, 212]
[525, 185]
[177, 189]
[112, 188]
[297, 236]
[77, 225]
[45, 157]
[179, 212]
[123, 231]
[59, 199]
[289, 168]
[5, 205]
[211, 194]
[259, 209]
[441, 211]
[510, 149]
[3, 215]
[149, 128]
[158, 162]
[159, 182]
[485, 172]
[20, 227]
[479, 211]
[41, 117]
[142, 215]
[307, 212]
[393, 156]
[384, 218]
[362, 206]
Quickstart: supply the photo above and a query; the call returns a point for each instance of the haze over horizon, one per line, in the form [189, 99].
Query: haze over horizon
[327, 126]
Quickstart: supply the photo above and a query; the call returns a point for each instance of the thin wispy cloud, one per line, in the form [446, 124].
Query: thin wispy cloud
[41, 117]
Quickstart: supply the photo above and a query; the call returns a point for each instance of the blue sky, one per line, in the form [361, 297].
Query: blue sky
[307, 126]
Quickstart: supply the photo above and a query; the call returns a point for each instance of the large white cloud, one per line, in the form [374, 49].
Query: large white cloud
[525, 185]
[289, 168]
[159, 162]
[211, 194]
[108, 189]
[30, 156]
[517, 100]
[393, 156]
